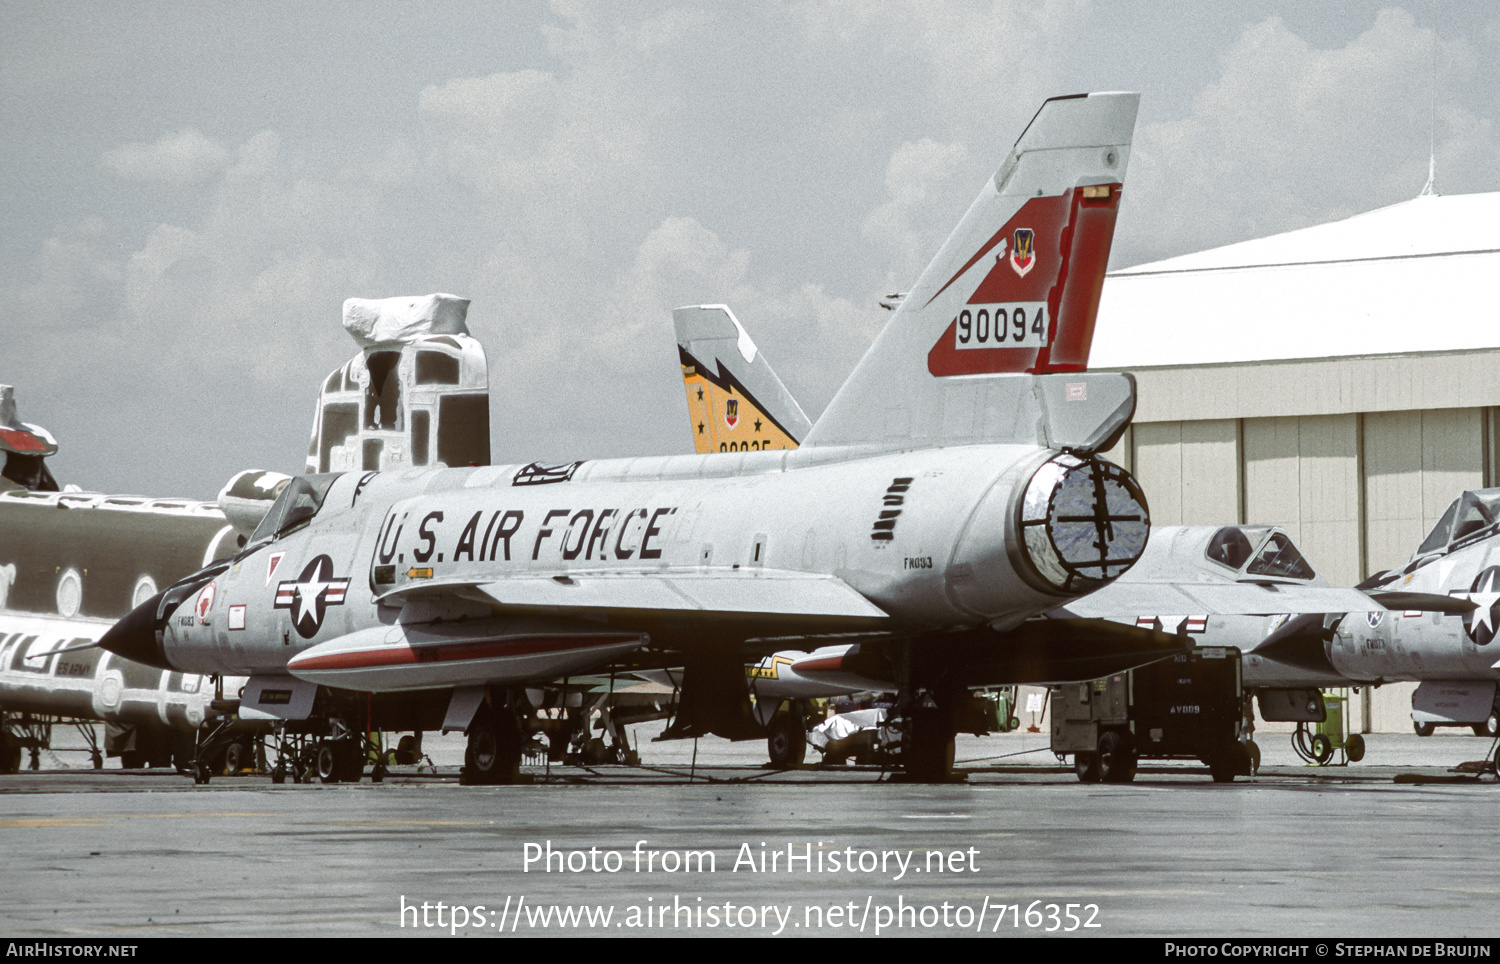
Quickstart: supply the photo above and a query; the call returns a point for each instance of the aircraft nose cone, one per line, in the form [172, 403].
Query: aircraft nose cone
[136, 637]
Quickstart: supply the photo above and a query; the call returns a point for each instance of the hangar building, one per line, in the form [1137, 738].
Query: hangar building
[1339, 381]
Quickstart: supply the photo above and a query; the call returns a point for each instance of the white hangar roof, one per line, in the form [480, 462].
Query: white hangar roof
[1414, 277]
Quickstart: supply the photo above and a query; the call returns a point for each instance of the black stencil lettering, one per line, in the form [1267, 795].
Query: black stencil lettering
[509, 523]
[624, 528]
[587, 515]
[653, 530]
[544, 532]
[484, 543]
[465, 545]
[427, 536]
[600, 534]
[388, 545]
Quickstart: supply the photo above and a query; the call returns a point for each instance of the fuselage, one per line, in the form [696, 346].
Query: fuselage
[930, 537]
[1401, 645]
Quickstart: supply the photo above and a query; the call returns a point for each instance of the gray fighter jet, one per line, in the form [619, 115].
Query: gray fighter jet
[1452, 650]
[951, 491]
[71, 563]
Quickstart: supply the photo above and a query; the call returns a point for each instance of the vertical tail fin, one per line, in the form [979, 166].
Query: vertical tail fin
[735, 401]
[1014, 290]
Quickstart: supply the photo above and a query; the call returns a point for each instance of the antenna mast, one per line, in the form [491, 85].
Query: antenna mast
[1430, 188]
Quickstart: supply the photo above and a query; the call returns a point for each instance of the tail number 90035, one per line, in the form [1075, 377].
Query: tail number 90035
[1021, 325]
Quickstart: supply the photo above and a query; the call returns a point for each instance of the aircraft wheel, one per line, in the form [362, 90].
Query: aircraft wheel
[234, 758]
[1116, 758]
[1224, 767]
[786, 741]
[349, 759]
[10, 758]
[1322, 748]
[1489, 727]
[1252, 750]
[1086, 765]
[494, 752]
[278, 775]
[130, 760]
[595, 753]
[201, 775]
[1013, 724]
[1423, 729]
[929, 748]
[1354, 748]
[326, 763]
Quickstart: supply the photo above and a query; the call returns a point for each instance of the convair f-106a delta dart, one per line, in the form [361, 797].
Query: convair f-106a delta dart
[950, 493]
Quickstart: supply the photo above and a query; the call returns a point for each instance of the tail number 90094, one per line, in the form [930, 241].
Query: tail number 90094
[1020, 325]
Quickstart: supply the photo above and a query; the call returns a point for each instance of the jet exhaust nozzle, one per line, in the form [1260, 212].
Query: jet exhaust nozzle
[1084, 521]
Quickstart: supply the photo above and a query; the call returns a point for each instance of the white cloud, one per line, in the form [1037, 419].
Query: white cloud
[1289, 135]
[796, 161]
[183, 159]
[904, 223]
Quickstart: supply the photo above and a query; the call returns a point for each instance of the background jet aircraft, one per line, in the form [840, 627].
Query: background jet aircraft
[71, 563]
[932, 514]
[736, 403]
[1452, 650]
[409, 397]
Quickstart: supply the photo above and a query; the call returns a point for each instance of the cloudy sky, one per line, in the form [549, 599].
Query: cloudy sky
[192, 190]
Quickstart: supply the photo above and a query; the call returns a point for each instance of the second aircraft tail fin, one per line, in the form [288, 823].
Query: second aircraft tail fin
[735, 401]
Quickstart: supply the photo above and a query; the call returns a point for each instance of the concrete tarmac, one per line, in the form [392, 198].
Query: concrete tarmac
[1019, 848]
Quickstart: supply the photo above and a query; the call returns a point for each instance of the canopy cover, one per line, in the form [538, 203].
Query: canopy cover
[374, 322]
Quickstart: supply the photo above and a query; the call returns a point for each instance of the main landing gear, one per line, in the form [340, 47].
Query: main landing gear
[786, 738]
[493, 755]
[927, 744]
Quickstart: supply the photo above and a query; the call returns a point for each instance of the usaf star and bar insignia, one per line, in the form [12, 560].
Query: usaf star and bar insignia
[310, 595]
[1483, 621]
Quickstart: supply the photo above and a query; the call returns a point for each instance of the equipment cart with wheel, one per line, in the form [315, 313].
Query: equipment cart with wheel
[1329, 742]
[1185, 706]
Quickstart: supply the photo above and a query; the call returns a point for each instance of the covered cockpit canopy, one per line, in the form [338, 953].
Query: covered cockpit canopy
[1258, 551]
[1472, 515]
